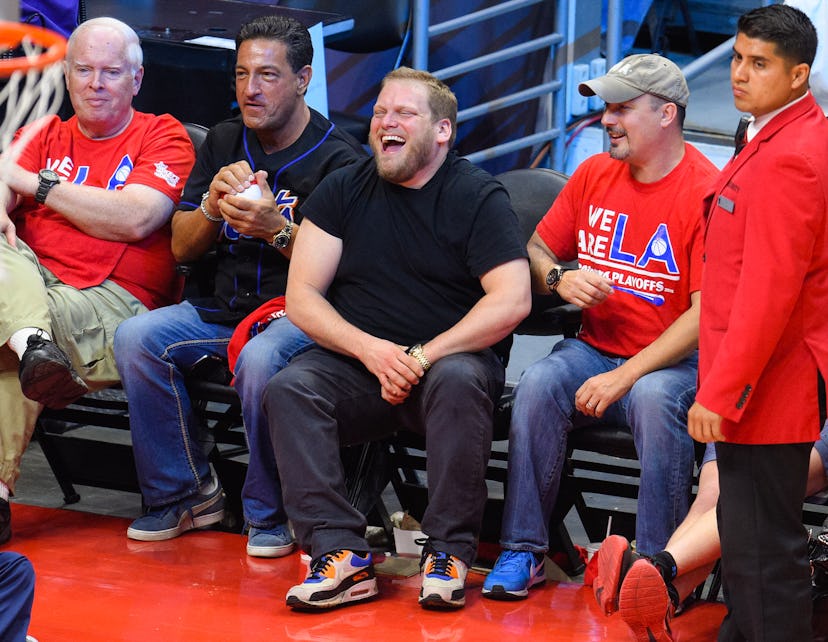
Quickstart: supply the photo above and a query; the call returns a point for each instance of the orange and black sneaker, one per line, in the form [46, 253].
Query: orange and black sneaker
[444, 578]
[644, 603]
[335, 579]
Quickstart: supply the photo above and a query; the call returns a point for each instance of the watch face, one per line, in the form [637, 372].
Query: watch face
[553, 276]
[49, 175]
[46, 180]
[282, 239]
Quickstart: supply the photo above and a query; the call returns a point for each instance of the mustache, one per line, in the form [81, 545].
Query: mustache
[615, 131]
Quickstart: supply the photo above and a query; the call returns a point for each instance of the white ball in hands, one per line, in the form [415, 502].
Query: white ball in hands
[253, 192]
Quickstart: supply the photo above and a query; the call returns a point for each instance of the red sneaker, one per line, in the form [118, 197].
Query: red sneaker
[615, 557]
[644, 604]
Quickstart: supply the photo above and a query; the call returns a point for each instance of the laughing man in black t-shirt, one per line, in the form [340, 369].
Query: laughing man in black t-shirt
[410, 273]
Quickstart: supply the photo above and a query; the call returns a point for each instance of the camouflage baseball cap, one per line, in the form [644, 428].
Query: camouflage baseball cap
[637, 75]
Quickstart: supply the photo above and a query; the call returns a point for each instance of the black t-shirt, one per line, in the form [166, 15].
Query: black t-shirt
[249, 271]
[412, 258]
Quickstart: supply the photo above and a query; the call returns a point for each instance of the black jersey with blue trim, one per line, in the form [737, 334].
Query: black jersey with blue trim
[248, 270]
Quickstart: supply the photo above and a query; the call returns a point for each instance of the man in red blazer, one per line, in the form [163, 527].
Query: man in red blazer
[764, 326]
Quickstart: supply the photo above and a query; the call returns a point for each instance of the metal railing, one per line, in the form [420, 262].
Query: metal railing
[552, 91]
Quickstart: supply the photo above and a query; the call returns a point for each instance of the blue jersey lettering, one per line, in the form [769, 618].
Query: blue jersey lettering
[659, 248]
[121, 173]
[616, 253]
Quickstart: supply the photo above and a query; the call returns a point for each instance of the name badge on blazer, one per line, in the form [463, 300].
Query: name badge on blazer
[725, 203]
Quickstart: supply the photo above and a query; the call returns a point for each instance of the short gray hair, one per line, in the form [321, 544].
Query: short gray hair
[134, 53]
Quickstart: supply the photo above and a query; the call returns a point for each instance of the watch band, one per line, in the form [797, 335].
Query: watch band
[46, 180]
[42, 191]
[554, 276]
[282, 238]
[416, 351]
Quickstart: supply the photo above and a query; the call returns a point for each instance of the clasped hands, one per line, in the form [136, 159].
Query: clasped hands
[251, 217]
[396, 371]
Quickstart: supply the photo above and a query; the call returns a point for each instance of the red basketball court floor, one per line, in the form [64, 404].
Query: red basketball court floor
[95, 585]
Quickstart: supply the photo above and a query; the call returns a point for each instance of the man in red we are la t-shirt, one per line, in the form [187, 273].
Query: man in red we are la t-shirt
[632, 218]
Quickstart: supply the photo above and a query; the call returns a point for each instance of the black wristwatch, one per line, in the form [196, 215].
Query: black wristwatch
[46, 180]
[553, 277]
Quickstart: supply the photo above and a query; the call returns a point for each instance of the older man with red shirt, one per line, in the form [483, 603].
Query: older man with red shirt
[84, 237]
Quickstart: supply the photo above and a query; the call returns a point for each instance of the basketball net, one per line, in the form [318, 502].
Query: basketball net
[31, 77]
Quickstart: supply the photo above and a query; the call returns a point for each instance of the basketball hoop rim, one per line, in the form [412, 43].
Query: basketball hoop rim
[13, 33]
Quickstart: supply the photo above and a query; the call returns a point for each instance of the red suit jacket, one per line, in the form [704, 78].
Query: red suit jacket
[764, 313]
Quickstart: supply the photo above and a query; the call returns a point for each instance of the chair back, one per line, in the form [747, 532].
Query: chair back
[532, 192]
[378, 24]
[197, 134]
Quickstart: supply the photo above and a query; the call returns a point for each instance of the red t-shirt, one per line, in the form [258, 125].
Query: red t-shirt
[154, 151]
[644, 237]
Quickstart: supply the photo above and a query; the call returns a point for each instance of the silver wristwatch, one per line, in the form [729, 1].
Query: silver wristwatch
[282, 238]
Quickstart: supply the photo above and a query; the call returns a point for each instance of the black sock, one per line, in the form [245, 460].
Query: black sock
[666, 565]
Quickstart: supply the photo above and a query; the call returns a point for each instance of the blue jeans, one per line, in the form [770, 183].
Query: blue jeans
[17, 584]
[655, 410]
[154, 351]
[261, 358]
[821, 446]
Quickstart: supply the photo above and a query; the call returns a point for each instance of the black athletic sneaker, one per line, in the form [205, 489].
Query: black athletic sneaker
[818, 557]
[46, 374]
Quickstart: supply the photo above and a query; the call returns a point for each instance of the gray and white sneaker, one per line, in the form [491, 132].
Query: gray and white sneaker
[166, 522]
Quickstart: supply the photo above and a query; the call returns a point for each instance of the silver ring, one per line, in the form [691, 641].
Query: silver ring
[589, 405]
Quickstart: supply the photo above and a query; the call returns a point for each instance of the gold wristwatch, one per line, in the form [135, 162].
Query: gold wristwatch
[416, 351]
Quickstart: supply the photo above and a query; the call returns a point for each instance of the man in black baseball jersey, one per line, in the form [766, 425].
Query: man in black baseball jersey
[279, 148]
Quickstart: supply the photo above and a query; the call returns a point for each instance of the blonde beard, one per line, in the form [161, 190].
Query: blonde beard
[399, 170]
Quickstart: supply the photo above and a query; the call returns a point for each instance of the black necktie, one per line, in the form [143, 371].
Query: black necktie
[740, 138]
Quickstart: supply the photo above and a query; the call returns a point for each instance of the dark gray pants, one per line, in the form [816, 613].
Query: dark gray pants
[324, 400]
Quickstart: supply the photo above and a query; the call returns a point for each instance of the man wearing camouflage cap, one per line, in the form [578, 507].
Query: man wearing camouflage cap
[632, 220]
